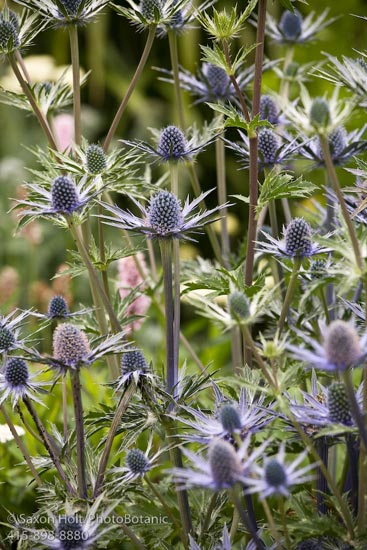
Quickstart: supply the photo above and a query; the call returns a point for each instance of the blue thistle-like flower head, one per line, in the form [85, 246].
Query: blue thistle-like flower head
[64, 195]
[230, 419]
[319, 113]
[137, 462]
[71, 6]
[172, 143]
[7, 338]
[151, 9]
[298, 238]
[268, 143]
[275, 473]
[217, 79]
[57, 307]
[342, 345]
[133, 360]
[239, 305]
[337, 142]
[165, 214]
[16, 372]
[8, 35]
[290, 25]
[224, 464]
[70, 345]
[70, 533]
[318, 269]
[338, 404]
[96, 159]
[269, 109]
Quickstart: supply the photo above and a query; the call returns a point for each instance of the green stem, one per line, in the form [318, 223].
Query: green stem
[166, 255]
[333, 177]
[166, 508]
[234, 524]
[290, 291]
[136, 542]
[122, 406]
[176, 271]
[244, 517]
[79, 430]
[269, 517]
[132, 85]
[284, 523]
[94, 281]
[324, 305]
[74, 52]
[21, 446]
[33, 103]
[241, 97]
[182, 497]
[172, 40]
[354, 407]
[259, 360]
[284, 86]
[47, 443]
[222, 198]
[208, 515]
[102, 253]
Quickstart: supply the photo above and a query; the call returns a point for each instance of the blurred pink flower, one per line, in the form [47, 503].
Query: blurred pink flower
[63, 126]
[128, 279]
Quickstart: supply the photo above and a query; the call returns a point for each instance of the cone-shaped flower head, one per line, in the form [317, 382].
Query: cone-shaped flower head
[164, 214]
[8, 34]
[70, 345]
[318, 269]
[70, 533]
[137, 462]
[133, 360]
[275, 473]
[342, 345]
[16, 372]
[151, 9]
[290, 25]
[319, 113]
[71, 6]
[217, 79]
[239, 305]
[338, 403]
[268, 109]
[225, 464]
[64, 195]
[57, 307]
[230, 419]
[172, 143]
[96, 159]
[298, 238]
[7, 339]
[337, 142]
[269, 144]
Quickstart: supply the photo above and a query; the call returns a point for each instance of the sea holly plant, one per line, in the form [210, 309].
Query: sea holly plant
[192, 374]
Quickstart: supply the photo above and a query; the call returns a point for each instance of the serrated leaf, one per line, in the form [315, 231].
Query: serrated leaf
[281, 185]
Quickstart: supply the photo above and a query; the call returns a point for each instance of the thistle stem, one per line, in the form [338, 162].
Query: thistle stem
[259, 360]
[354, 407]
[222, 198]
[244, 517]
[21, 446]
[253, 145]
[284, 523]
[323, 452]
[33, 103]
[79, 430]
[74, 52]
[176, 271]
[166, 508]
[269, 517]
[136, 542]
[65, 408]
[94, 281]
[336, 186]
[47, 443]
[121, 408]
[166, 255]
[290, 291]
[208, 515]
[132, 85]
[172, 40]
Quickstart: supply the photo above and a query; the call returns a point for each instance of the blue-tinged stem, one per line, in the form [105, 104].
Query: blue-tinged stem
[167, 257]
[132, 85]
[74, 51]
[176, 271]
[245, 519]
[351, 485]
[290, 291]
[79, 430]
[322, 486]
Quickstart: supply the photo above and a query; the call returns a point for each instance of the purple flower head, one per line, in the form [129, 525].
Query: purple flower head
[17, 382]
